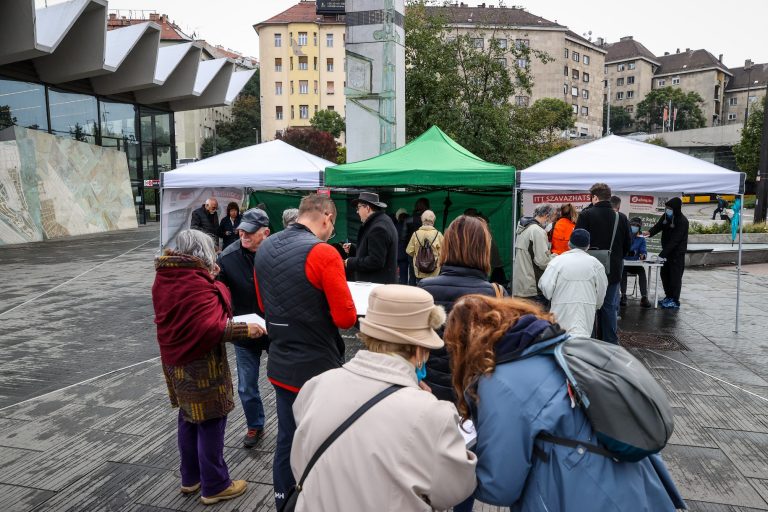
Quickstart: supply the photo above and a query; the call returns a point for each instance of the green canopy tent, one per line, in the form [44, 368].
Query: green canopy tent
[436, 167]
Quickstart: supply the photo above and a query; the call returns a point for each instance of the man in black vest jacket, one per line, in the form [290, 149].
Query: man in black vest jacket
[303, 289]
[376, 259]
[237, 272]
[206, 219]
[599, 221]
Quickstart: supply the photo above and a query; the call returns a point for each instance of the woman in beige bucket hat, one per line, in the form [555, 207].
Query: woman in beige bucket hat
[406, 452]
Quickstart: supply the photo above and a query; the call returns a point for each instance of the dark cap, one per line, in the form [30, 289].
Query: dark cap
[636, 221]
[580, 238]
[369, 198]
[253, 220]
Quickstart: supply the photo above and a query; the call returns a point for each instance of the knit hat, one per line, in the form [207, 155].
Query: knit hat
[403, 314]
[580, 238]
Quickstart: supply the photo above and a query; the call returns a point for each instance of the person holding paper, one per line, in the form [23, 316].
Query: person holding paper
[193, 314]
[302, 288]
[376, 258]
[236, 263]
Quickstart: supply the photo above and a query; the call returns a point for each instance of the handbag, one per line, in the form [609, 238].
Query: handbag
[604, 255]
[289, 505]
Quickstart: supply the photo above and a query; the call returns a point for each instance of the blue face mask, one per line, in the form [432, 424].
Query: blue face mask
[669, 212]
[635, 230]
[421, 372]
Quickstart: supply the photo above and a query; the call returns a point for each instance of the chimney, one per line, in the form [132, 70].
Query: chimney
[482, 6]
[113, 16]
[678, 50]
[720, 58]
[687, 49]
[153, 16]
[666, 53]
[600, 41]
[625, 38]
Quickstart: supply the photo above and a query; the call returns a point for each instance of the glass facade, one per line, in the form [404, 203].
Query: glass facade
[145, 135]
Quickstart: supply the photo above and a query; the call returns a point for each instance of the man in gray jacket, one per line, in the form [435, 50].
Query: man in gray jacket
[532, 253]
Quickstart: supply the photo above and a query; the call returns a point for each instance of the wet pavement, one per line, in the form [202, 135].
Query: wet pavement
[85, 422]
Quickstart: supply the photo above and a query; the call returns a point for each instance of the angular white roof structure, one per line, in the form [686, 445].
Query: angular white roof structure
[69, 41]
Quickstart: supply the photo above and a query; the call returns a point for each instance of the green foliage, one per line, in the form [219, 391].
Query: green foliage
[650, 111]
[747, 151]
[537, 131]
[328, 121]
[313, 141]
[242, 129]
[6, 119]
[621, 120]
[749, 202]
[722, 228]
[341, 155]
[657, 141]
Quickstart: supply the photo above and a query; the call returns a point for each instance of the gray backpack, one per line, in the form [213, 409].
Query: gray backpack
[628, 409]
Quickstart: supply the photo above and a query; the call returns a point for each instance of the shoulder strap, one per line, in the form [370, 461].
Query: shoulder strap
[615, 226]
[344, 426]
[571, 443]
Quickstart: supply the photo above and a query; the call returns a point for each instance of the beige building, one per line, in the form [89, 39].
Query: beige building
[574, 74]
[749, 82]
[302, 67]
[629, 71]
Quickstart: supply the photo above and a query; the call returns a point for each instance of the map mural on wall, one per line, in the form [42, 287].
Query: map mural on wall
[52, 187]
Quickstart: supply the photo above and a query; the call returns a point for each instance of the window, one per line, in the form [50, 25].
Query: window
[522, 43]
[565, 88]
[631, 65]
[605, 70]
[733, 101]
[585, 60]
[315, 109]
[303, 86]
[575, 109]
[329, 40]
[605, 83]
[620, 95]
[24, 103]
[279, 113]
[619, 82]
[575, 56]
[292, 116]
[329, 65]
[661, 82]
[575, 74]
[315, 64]
[732, 116]
[503, 62]
[329, 88]
[314, 38]
[585, 94]
[304, 111]
[315, 88]
[302, 39]
[585, 77]
[303, 63]
[522, 63]
[291, 62]
[630, 80]
[521, 101]
[630, 95]
[291, 86]
[278, 65]
[502, 43]
[278, 88]
[620, 67]
[565, 70]
[629, 109]
[584, 111]
[330, 107]
[752, 99]
[566, 53]
[574, 91]
[675, 80]
[73, 115]
[278, 40]
[478, 42]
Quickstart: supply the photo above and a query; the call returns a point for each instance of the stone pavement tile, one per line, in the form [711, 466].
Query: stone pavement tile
[121, 389]
[690, 382]
[688, 431]
[700, 506]
[21, 499]
[111, 487]
[760, 486]
[722, 365]
[10, 455]
[158, 451]
[154, 414]
[661, 360]
[747, 450]
[253, 465]
[722, 412]
[706, 474]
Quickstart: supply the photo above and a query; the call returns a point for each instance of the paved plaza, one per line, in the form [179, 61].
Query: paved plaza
[85, 422]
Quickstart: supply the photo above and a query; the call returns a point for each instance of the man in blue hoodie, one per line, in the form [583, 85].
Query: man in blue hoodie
[673, 226]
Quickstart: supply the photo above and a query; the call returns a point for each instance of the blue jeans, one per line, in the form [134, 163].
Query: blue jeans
[403, 267]
[282, 476]
[608, 313]
[248, 386]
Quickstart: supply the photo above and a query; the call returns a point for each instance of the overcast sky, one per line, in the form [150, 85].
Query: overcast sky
[735, 28]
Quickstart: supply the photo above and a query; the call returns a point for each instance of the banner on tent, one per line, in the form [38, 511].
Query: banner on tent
[178, 204]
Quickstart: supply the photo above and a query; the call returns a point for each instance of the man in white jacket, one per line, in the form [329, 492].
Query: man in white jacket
[575, 283]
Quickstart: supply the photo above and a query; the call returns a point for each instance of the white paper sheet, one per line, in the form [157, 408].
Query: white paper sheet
[252, 318]
[360, 292]
[468, 432]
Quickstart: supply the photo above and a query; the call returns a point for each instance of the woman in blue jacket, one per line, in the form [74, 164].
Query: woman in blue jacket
[512, 395]
[637, 252]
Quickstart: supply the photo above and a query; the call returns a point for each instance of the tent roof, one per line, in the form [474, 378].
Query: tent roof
[267, 166]
[630, 166]
[433, 159]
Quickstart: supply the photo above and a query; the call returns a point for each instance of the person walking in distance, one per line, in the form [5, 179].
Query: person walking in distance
[303, 290]
[376, 259]
[673, 226]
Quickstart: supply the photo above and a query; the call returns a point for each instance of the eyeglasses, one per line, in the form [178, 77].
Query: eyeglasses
[333, 234]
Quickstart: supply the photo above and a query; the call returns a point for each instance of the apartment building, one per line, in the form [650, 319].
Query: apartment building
[302, 67]
[748, 83]
[629, 70]
[574, 74]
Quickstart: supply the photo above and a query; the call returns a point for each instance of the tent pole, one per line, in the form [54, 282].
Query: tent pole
[738, 266]
[514, 238]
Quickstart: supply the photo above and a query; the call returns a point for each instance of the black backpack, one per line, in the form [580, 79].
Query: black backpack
[426, 261]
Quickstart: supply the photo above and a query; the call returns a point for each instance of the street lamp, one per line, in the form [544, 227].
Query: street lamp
[748, 64]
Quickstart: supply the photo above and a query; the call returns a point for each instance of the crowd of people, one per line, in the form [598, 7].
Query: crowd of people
[446, 346]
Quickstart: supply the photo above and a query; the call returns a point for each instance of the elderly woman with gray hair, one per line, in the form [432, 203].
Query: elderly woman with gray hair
[426, 239]
[193, 314]
[289, 216]
[532, 253]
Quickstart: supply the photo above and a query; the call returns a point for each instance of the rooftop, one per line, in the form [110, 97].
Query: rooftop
[689, 60]
[758, 77]
[627, 48]
[170, 31]
[303, 12]
[489, 15]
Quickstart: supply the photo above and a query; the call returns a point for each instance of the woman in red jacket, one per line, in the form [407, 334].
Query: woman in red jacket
[561, 233]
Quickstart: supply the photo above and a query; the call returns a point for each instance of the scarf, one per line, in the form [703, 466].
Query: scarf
[191, 308]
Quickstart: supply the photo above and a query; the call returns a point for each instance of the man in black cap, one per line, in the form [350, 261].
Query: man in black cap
[376, 259]
[237, 272]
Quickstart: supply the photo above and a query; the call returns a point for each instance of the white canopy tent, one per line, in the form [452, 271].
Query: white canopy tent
[273, 165]
[632, 166]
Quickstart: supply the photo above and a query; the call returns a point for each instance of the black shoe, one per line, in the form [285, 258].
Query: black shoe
[645, 302]
[252, 437]
[623, 301]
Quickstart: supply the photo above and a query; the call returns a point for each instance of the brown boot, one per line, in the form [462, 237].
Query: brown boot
[237, 488]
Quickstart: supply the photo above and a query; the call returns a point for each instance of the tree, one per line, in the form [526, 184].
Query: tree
[328, 121]
[6, 119]
[538, 131]
[313, 141]
[650, 111]
[621, 120]
[243, 128]
[747, 151]
[657, 141]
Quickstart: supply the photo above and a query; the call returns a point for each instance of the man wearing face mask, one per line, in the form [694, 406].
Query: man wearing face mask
[673, 226]
[302, 288]
[532, 253]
